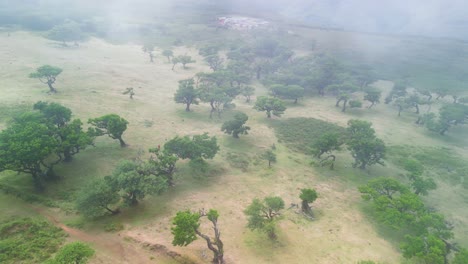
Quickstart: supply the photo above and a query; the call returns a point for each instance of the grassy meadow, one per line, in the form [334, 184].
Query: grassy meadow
[97, 72]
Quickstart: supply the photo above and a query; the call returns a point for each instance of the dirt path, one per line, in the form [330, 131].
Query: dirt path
[111, 248]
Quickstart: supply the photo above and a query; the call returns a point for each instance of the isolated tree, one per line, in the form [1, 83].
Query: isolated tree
[175, 61]
[270, 105]
[236, 126]
[168, 54]
[215, 62]
[136, 180]
[73, 253]
[27, 146]
[247, 92]
[327, 143]
[292, 92]
[186, 228]
[186, 94]
[441, 92]
[164, 164]
[69, 133]
[97, 198]
[112, 125]
[269, 156]
[149, 48]
[373, 96]
[47, 74]
[66, 32]
[307, 196]
[365, 147]
[130, 91]
[262, 215]
[198, 147]
[184, 60]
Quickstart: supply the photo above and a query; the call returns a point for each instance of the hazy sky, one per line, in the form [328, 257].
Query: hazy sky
[419, 17]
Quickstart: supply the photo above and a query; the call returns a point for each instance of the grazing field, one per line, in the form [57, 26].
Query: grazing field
[95, 75]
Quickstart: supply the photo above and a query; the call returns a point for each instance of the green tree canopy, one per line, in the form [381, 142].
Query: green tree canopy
[136, 180]
[373, 96]
[270, 105]
[97, 198]
[365, 147]
[199, 146]
[236, 126]
[261, 215]
[28, 146]
[73, 253]
[186, 228]
[69, 133]
[307, 196]
[186, 94]
[47, 75]
[112, 125]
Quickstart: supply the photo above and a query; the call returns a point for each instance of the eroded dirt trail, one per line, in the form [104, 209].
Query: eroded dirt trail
[110, 247]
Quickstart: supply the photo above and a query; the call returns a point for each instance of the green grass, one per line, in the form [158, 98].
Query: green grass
[301, 133]
[441, 163]
[28, 240]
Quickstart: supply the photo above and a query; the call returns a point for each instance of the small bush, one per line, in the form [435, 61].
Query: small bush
[114, 227]
[239, 161]
[28, 240]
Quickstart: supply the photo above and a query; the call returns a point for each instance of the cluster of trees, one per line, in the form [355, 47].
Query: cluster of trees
[365, 147]
[428, 233]
[36, 141]
[132, 181]
[262, 215]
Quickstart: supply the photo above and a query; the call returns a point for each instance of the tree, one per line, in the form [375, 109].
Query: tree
[198, 147]
[365, 147]
[130, 91]
[247, 91]
[69, 134]
[27, 146]
[164, 163]
[186, 94]
[136, 180]
[428, 249]
[149, 48]
[307, 196]
[343, 93]
[215, 62]
[393, 202]
[420, 185]
[270, 105]
[47, 74]
[175, 61]
[68, 31]
[97, 198]
[293, 92]
[112, 125]
[398, 90]
[184, 60]
[73, 253]
[261, 215]
[168, 54]
[270, 156]
[327, 143]
[451, 115]
[186, 228]
[237, 126]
